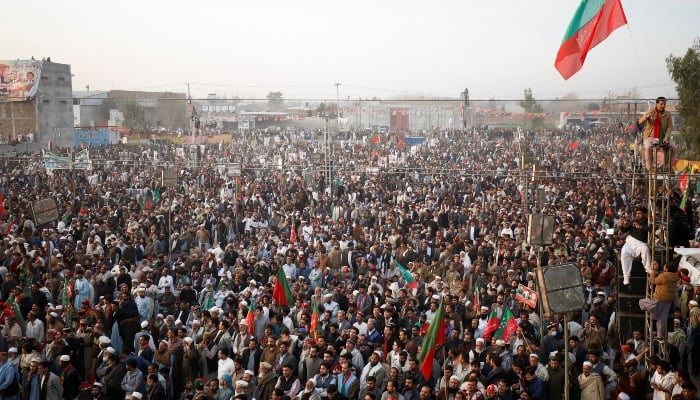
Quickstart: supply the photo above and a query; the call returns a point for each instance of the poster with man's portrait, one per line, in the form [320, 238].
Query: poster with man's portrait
[526, 296]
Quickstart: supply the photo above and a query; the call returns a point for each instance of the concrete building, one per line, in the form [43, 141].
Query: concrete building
[43, 110]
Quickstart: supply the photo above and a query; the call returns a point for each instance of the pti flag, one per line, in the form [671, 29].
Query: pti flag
[592, 23]
[492, 325]
[250, 317]
[407, 276]
[281, 293]
[434, 337]
[508, 325]
[314, 322]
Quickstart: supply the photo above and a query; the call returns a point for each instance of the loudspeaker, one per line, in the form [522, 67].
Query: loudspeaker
[541, 229]
[562, 287]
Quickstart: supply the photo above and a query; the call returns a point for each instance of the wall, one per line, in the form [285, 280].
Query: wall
[55, 102]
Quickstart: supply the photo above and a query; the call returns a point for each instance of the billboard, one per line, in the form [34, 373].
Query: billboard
[19, 79]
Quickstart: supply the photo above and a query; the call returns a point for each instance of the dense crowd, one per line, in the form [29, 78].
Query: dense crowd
[166, 293]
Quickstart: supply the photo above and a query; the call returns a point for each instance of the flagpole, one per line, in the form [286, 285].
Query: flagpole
[566, 356]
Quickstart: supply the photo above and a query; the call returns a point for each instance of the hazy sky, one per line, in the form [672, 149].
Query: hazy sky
[372, 48]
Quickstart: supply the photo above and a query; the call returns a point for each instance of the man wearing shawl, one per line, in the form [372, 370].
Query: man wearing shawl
[591, 383]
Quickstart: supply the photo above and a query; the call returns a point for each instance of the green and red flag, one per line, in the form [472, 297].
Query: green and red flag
[281, 293]
[492, 325]
[375, 139]
[434, 337]
[684, 187]
[508, 325]
[14, 309]
[408, 277]
[66, 300]
[250, 317]
[477, 302]
[592, 23]
[314, 322]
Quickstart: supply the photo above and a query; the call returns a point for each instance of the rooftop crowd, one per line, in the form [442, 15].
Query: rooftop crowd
[140, 291]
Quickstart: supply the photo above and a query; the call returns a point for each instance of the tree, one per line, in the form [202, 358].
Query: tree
[592, 107]
[685, 71]
[275, 101]
[107, 105]
[531, 106]
[134, 116]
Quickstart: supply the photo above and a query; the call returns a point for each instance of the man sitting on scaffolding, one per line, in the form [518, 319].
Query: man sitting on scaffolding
[635, 243]
[657, 130]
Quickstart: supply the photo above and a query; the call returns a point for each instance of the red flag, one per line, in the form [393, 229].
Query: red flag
[281, 293]
[250, 317]
[434, 337]
[477, 305]
[592, 23]
[400, 143]
[492, 325]
[572, 146]
[684, 180]
[293, 233]
[2, 204]
[314, 322]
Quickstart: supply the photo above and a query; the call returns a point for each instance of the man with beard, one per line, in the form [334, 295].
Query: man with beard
[555, 384]
[323, 378]
[266, 380]
[373, 368]
[591, 383]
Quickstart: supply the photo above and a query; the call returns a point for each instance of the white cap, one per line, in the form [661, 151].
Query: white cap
[188, 340]
[137, 395]
[501, 343]
[144, 324]
[534, 355]
[249, 372]
[104, 340]
[625, 396]
[12, 350]
[693, 303]
[480, 340]
[111, 350]
[484, 308]
[454, 378]
[65, 358]
[98, 384]
[587, 364]
[241, 383]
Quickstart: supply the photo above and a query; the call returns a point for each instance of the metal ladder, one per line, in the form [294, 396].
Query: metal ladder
[659, 181]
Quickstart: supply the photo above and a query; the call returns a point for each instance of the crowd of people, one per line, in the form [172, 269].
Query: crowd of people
[139, 291]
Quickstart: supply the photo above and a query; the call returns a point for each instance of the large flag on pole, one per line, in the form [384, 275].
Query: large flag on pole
[434, 337]
[281, 293]
[592, 23]
[407, 276]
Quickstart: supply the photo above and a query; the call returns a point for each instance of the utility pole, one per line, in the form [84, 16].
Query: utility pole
[465, 108]
[194, 119]
[337, 106]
